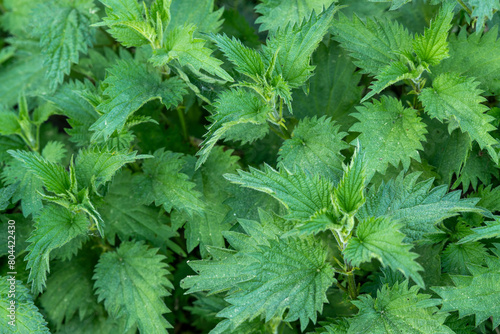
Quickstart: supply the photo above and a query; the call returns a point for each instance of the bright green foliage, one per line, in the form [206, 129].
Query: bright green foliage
[198, 12]
[315, 146]
[191, 52]
[95, 167]
[294, 46]
[276, 14]
[166, 185]
[129, 86]
[415, 205]
[432, 47]
[270, 274]
[483, 10]
[349, 193]
[127, 23]
[10, 123]
[240, 115]
[393, 73]
[390, 134]
[132, 281]
[247, 61]
[491, 230]
[28, 317]
[53, 176]
[64, 33]
[477, 294]
[54, 227]
[475, 55]
[398, 309]
[375, 44]
[457, 100]
[395, 4]
[302, 194]
[379, 238]
[69, 291]
[456, 257]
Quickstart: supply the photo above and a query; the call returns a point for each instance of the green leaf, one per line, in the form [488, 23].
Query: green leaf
[166, 185]
[54, 227]
[475, 56]
[127, 23]
[10, 123]
[483, 10]
[334, 90]
[395, 4]
[239, 115]
[393, 73]
[129, 86]
[54, 176]
[54, 151]
[189, 51]
[276, 14]
[69, 291]
[302, 194]
[278, 274]
[375, 44]
[398, 309]
[247, 61]
[456, 257]
[432, 47]
[132, 281]
[491, 230]
[390, 134]
[478, 295]
[379, 238]
[29, 189]
[27, 316]
[65, 32]
[418, 207]
[198, 12]
[349, 193]
[294, 45]
[95, 166]
[457, 100]
[315, 147]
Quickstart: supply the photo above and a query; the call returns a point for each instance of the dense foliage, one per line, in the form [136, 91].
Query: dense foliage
[187, 166]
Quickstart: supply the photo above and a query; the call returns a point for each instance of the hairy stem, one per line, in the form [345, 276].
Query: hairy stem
[182, 119]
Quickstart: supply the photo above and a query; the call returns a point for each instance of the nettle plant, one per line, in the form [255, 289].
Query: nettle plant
[356, 193]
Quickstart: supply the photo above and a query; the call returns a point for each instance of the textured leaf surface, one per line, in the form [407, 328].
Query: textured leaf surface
[234, 111]
[380, 238]
[315, 147]
[65, 32]
[475, 56]
[199, 12]
[398, 309]
[276, 14]
[478, 295]
[483, 10]
[28, 317]
[477, 169]
[374, 44]
[456, 257]
[432, 47]
[302, 194]
[54, 227]
[349, 193]
[415, 205]
[129, 86]
[457, 100]
[132, 281]
[390, 134]
[278, 274]
[54, 176]
[294, 46]
[168, 186]
[191, 52]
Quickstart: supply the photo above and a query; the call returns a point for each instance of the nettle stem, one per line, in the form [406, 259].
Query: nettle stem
[467, 9]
